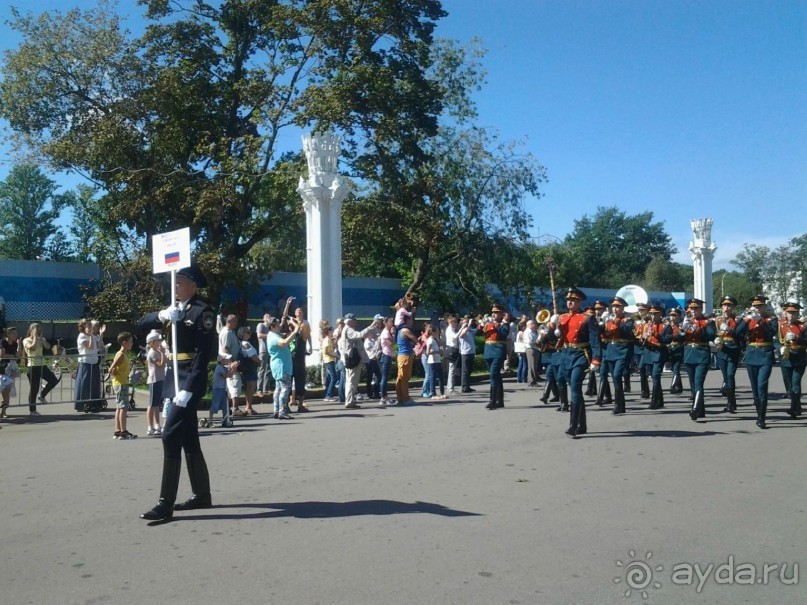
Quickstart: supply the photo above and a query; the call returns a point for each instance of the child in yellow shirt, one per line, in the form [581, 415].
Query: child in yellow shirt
[119, 372]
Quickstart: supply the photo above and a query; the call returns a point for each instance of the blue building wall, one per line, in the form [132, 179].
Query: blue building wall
[40, 291]
[35, 290]
[364, 296]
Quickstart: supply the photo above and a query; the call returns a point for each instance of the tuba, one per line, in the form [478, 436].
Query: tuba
[542, 316]
[633, 295]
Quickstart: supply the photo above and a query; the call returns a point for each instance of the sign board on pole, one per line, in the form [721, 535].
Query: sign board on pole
[172, 250]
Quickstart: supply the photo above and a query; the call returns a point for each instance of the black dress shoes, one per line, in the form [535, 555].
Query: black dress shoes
[195, 502]
[162, 511]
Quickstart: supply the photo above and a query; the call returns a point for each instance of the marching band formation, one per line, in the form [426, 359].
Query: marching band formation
[597, 344]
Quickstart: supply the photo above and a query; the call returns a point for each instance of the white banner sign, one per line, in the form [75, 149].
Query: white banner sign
[172, 251]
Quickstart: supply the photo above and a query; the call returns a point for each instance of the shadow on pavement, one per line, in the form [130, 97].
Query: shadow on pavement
[606, 434]
[327, 510]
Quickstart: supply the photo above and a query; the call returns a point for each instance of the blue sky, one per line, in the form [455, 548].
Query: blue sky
[686, 108]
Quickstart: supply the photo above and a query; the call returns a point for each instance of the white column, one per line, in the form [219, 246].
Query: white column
[702, 250]
[322, 195]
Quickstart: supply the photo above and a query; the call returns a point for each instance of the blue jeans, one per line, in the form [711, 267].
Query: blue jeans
[428, 380]
[331, 378]
[281, 395]
[385, 363]
[342, 378]
[521, 374]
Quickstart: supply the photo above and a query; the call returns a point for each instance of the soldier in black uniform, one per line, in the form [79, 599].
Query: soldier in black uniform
[196, 342]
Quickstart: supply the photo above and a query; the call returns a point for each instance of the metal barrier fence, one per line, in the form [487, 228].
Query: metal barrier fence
[65, 366]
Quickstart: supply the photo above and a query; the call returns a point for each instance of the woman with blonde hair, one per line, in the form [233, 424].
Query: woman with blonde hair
[32, 355]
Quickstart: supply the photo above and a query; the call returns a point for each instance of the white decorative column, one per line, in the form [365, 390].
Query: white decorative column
[702, 250]
[322, 195]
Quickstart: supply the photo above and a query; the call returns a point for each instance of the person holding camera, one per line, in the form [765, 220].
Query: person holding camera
[467, 346]
[350, 339]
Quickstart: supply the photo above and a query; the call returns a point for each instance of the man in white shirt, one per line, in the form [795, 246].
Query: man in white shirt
[468, 329]
[452, 353]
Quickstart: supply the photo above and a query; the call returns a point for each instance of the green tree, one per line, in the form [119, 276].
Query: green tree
[732, 283]
[667, 276]
[799, 262]
[754, 262]
[612, 249]
[182, 126]
[29, 209]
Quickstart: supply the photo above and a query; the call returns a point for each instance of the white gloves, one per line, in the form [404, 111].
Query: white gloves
[554, 319]
[790, 337]
[172, 314]
[182, 399]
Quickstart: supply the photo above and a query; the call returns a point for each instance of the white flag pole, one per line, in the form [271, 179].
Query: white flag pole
[174, 333]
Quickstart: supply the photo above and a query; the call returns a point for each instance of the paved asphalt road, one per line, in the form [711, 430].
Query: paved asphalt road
[448, 503]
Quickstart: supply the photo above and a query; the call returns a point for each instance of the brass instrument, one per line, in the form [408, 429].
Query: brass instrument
[752, 313]
[789, 337]
[722, 330]
[542, 316]
[686, 323]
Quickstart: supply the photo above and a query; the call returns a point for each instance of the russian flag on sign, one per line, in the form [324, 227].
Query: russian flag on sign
[171, 257]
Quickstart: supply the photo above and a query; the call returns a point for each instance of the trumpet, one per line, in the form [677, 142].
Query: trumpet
[751, 313]
[687, 325]
[542, 316]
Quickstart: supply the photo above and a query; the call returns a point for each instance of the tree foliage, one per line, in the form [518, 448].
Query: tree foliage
[453, 211]
[778, 272]
[732, 283]
[29, 207]
[612, 249]
[181, 127]
[664, 275]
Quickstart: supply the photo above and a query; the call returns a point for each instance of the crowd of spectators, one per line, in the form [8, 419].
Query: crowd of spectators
[270, 361]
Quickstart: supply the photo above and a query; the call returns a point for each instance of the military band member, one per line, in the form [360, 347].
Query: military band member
[656, 335]
[638, 348]
[604, 392]
[792, 355]
[676, 349]
[618, 339]
[728, 351]
[698, 333]
[579, 335]
[548, 354]
[759, 329]
[196, 342]
[496, 332]
[595, 310]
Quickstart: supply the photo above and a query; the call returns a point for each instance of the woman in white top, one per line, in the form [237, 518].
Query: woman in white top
[87, 388]
[435, 361]
[520, 349]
